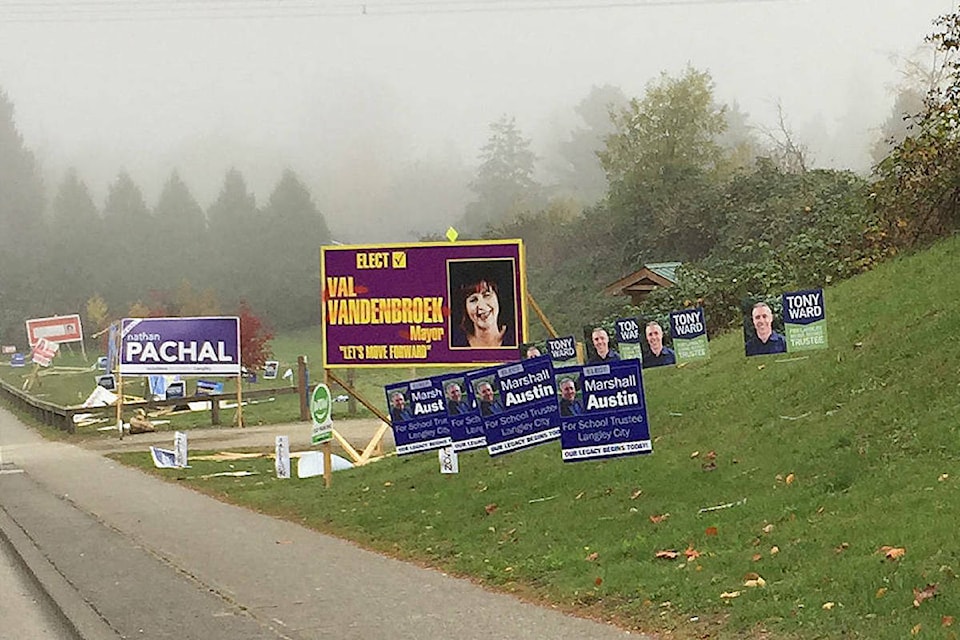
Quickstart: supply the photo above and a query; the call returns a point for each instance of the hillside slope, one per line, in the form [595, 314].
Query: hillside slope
[813, 464]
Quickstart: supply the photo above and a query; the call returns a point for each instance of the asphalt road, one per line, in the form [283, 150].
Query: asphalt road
[125, 555]
[25, 610]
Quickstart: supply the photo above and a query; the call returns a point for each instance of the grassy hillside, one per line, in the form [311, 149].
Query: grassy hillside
[823, 461]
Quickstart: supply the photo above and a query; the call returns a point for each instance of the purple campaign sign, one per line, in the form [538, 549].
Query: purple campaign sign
[466, 425]
[602, 411]
[418, 415]
[180, 346]
[427, 304]
[517, 403]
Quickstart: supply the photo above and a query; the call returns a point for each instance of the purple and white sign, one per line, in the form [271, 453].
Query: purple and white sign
[418, 414]
[602, 409]
[518, 404]
[466, 425]
[180, 346]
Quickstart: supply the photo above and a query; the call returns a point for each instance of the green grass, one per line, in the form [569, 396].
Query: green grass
[867, 432]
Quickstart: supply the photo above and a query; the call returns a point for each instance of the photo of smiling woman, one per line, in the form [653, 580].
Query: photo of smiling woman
[482, 311]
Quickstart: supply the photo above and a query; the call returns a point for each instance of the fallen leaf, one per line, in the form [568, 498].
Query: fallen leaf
[636, 494]
[919, 595]
[730, 594]
[667, 554]
[826, 606]
[695, 454]
[508, 569]
[593, 556]
[790, 478]
[490, 508]
[819, 511]
[579, 495]
[946, 621]
[892, 553]
[774, 550]
[757, 557]
[709, 466]
[711, 455]
[659, 519]
[388, 484]
[843, 547]
[598, 581]
[943, 476]
[882, 591]
[759, 582]
[710, 531]
[916, 629]
[691, 553]
[768, 528]
[761, 367]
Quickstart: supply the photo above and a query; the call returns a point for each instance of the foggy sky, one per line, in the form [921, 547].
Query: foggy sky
[351, 101]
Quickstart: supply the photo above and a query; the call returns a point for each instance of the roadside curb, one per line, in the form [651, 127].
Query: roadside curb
[75, 612]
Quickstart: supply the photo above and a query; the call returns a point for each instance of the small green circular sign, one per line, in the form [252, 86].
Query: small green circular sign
[321, 411]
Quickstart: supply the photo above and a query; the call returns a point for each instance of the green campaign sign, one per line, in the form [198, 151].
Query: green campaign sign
[321, 411]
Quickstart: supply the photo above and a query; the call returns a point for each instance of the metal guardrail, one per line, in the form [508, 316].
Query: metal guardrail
[61, 417]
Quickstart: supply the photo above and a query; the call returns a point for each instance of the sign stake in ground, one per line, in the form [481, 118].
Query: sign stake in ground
[321, 413]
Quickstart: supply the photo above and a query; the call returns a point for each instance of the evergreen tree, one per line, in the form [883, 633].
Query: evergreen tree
[504, 185]
[183, 251]
[130, 242]
[234, 235]
[292, 233]
[22, 231]
[77, 241]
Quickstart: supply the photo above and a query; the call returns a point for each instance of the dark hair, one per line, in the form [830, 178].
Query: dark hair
[466, 290]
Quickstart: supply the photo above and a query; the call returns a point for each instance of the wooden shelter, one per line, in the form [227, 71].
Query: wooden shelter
[640, 283]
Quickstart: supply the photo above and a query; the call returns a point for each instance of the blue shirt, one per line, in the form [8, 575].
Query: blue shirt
[400, 415]
[611, 356]
[666, 357]
[570, 407]
[457, 408]
[490, 408]
[776, 343]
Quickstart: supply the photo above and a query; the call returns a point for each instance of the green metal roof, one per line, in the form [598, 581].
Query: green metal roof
[666, 269]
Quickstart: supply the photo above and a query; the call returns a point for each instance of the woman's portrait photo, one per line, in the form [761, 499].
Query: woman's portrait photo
[482, 306]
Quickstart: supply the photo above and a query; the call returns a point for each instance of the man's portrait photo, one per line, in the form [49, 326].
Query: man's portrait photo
[457, 403]
[399, 411]
[570, 405]
[657, 354]
[760, 337]
[599, 346]
[486, 399]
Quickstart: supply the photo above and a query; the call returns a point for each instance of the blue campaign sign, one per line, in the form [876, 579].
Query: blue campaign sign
[518, 405]
[689, 331]
[466, 425]
[418, 414]
[562, 351]
[180, 345]
[18, 360]
[602, 411]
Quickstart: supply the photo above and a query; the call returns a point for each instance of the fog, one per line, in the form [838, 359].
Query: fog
[382, 107]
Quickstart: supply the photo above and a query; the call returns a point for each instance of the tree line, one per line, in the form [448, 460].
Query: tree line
[672, 175]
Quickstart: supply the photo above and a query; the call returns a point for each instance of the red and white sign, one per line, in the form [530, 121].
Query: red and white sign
[44, 351]
[57, 329]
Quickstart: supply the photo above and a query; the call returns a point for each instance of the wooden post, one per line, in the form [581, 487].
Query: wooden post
[328, 445]
[352, 402]
[542, 316]
[120, 402]
[240, 400]
[304, 388]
